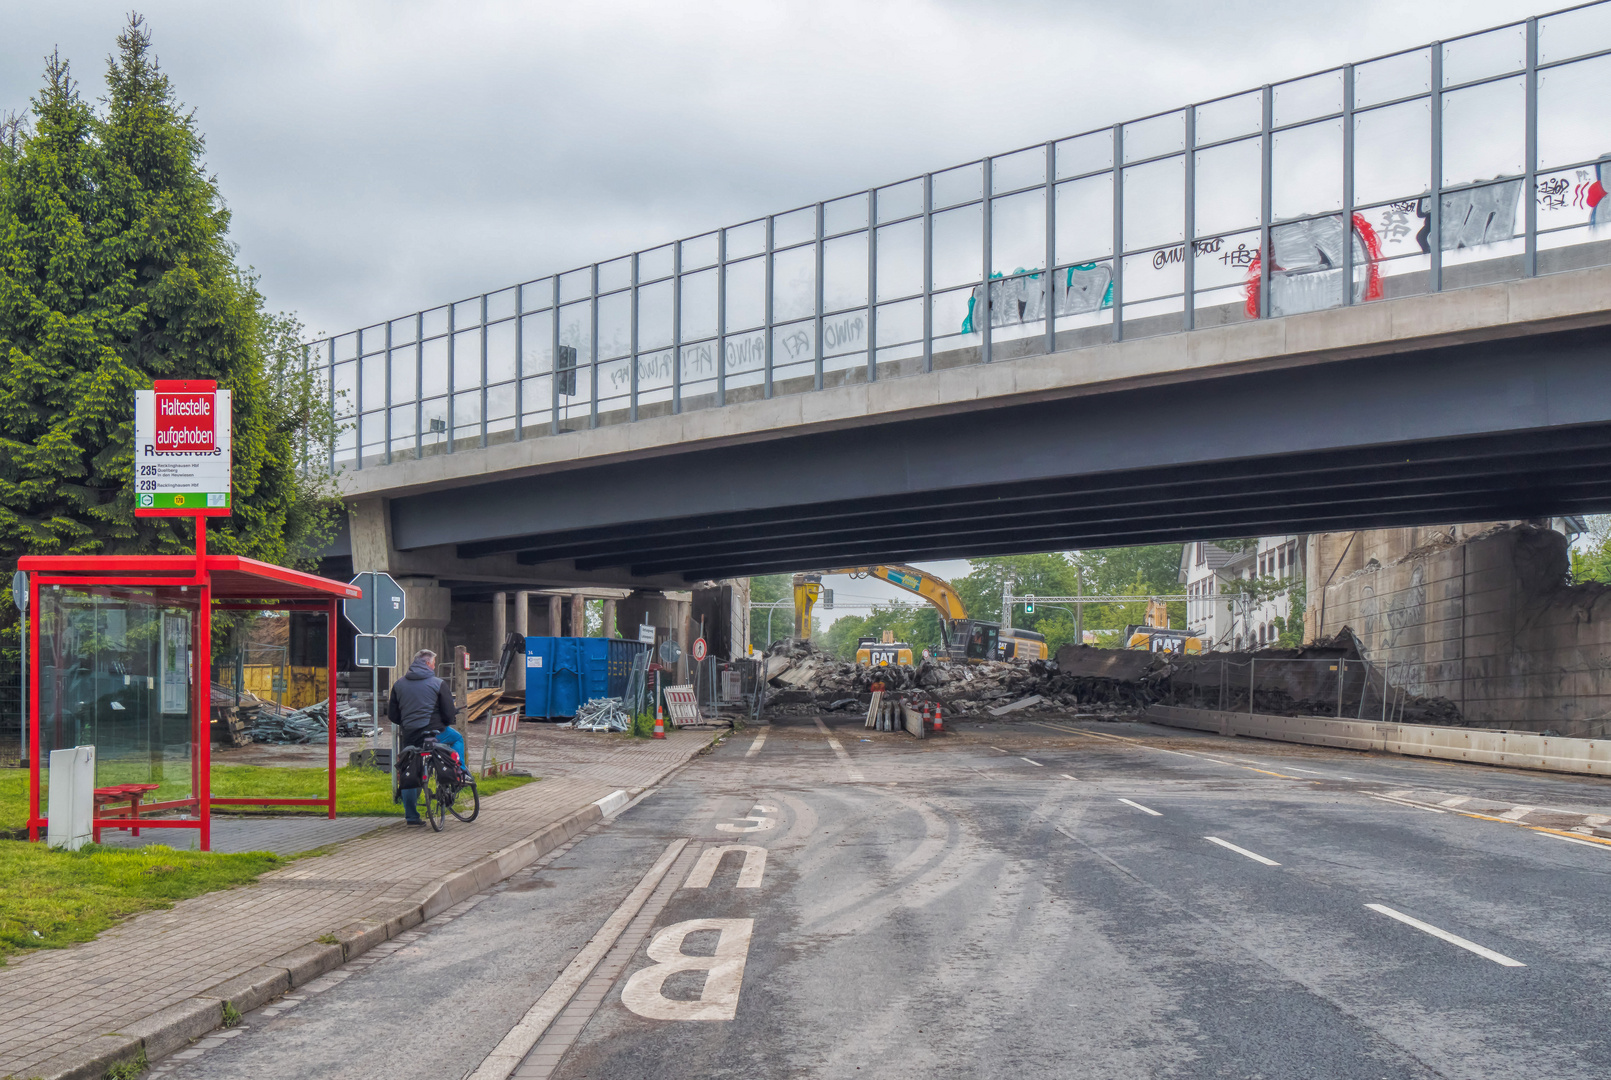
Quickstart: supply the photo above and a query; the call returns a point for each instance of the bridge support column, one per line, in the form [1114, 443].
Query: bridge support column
[608, 630]
[429, 606]
[500, 626]
[578, 615]
[517, 674]
[556, 627]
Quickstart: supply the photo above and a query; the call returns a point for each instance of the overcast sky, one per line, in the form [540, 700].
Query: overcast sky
[387, 156]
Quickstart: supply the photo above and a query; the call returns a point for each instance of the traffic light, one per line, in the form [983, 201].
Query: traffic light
[1029, 608]
[827, 599]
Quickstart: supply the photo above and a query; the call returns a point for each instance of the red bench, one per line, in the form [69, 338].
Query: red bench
[129, 795]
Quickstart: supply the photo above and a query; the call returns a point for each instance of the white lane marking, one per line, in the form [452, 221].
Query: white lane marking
[1037, 764]
[1065, 776]
[1452, 939]
[1406, 802]
[1241, 850]
[1456, 800]
[1143, 809]
[1517, 813]
[755, 747]
[760, 824]
[724, 972]
[749, 875]
[762, 808]
[514, 1047]
[1558, 836]
[998, 749]
[839, 751]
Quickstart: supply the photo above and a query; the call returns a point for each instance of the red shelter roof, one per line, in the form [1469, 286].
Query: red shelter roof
[233, 577]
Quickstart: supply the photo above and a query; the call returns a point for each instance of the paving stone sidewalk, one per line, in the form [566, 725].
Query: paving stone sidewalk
[56, 1001]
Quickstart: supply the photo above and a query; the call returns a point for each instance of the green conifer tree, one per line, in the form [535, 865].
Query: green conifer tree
[116, 269]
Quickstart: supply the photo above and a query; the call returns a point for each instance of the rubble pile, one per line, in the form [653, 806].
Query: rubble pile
[806, 680]
[1084, 679]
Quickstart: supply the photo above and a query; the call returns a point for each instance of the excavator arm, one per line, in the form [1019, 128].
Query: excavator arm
[936, 591]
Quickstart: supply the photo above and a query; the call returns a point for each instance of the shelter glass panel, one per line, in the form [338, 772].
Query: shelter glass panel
[405, 374]
[615, 325]
[615, 274]
[795, 227]
[657, 263]
[1011, 172]
[1154, 203]
[1155, 137]
[746, 240]
[1305, 99]
[965, 183]
[500, 305]
[575, 284]
[699, 305]
[115, 673]
[900, 201]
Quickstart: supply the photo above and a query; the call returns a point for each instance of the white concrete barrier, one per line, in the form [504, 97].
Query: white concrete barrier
[1479, 746]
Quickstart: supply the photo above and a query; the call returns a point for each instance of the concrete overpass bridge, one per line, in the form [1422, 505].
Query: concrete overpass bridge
[1377, 295]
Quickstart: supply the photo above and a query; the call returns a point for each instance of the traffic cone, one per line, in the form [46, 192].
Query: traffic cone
[659, 710]
[939, 724]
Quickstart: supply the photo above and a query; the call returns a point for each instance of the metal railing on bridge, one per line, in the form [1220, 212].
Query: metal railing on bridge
[1464, 162]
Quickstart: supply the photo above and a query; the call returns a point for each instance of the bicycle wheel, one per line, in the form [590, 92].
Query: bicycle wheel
[432, 794]
[466, 796]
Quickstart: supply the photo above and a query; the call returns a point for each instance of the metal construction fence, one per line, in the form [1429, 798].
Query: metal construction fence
[1327, 686]
[1459, 163]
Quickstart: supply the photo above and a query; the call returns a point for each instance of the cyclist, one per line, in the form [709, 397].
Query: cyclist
[421, 707]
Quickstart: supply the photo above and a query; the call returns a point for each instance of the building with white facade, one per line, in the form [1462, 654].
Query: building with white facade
[1224, 622]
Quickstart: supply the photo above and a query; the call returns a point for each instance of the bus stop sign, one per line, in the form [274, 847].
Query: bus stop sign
[383, 606]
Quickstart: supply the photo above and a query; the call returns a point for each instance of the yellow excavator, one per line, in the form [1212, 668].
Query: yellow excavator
[1154, 635]
[965, 638]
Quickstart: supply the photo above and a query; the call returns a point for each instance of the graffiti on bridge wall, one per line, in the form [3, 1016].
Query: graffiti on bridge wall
[1078, 290]
[744, 353]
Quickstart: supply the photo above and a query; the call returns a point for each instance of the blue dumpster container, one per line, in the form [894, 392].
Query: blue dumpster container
[563, 673]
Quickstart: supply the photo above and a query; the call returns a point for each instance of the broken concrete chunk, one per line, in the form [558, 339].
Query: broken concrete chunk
[1000, 710]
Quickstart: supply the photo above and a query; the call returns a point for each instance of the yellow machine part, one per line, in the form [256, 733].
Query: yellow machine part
[936, 591]
[807, 587]
[884, 655]
[1140, 640]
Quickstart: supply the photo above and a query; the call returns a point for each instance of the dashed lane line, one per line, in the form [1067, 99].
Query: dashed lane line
[1138, 742]
[1143, 809]
[1452, 939]
[839, 751]
[1404, 802]
[1255, 856]
[1066, 776]
[755, 747]
[1033, 762]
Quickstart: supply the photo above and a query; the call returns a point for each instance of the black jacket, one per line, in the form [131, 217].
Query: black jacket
[420, 702]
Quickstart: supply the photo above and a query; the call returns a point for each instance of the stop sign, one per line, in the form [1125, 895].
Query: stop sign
[383, 607]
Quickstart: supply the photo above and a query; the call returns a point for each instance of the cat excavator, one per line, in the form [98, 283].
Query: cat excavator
[966, 639]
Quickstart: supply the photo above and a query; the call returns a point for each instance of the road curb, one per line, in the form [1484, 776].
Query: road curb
[175, 1026]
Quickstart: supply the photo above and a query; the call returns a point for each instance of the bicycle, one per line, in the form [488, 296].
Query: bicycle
[444, 785]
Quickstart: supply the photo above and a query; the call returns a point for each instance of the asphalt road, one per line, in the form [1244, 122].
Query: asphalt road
[1011, 900]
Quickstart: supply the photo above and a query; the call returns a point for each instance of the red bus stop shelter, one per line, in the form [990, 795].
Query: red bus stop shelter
[124, 646]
